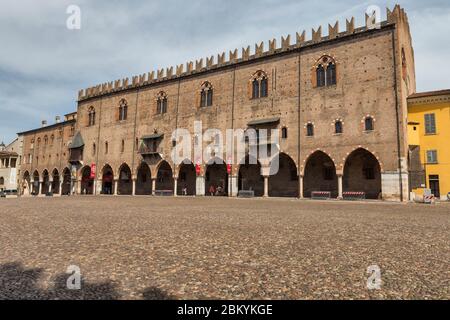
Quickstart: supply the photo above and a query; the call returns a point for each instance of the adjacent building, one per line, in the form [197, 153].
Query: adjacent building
[339, 103]
[429, 137]
[10, 158]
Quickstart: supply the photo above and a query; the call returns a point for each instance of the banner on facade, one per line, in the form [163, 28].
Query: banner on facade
[93, 170]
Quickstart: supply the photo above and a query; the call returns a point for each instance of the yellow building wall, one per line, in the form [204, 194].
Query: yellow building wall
[439, 141]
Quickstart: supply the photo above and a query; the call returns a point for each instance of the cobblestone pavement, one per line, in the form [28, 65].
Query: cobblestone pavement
[217, 248]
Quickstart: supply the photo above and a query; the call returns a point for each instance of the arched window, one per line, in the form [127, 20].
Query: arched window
[52, 139]
[255, 91]
[106, 147]
[45, 140]
[310, 130]
[338, 127]
[91, 114]
[123, 110]
[368, 124]
[260, 85]
[331, 74]
[206, 95]
[161, 103]
[38, 142]
[325, 72]
[320, 74]
[284, 133]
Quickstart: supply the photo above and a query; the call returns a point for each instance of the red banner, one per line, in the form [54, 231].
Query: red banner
[93, 170]
[229, 168]
[198, 170]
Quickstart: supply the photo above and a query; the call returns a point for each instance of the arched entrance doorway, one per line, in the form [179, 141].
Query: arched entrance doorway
[55, 182]
[250, 178]
[45, 182]
[283, 181]
[66, 182]
[125, 186]
[36, 183]
[187, 179]
[362, 173]
[320, 175]
[26, 184]
[164, 178]
[144, 180]
[107, 180]
[87, 182]
[216, 178]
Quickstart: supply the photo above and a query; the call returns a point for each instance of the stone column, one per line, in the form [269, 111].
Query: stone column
[153, 186]
[200, 186]
[340, 188]
[61, 182]
[116, 186]
[233, 186]
[266, 186]
[50, 186]
[300, 186]
[175, 186]
[133, 192]
[94, 187]
[78, 187]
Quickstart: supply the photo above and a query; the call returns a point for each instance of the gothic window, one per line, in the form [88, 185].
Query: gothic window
[38, 142]
[338, 127]
[325, 72]
[45, 140]
[320, 76]
[260, 85]
[310, 130]
[123, 110]
[331, 74]
[206, 95]
[161, 103]
[91, 115]
[368, 124]
[52, 139]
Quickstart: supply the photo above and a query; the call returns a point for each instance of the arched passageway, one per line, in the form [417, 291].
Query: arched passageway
[36, 184]
[250, 178]
[362, 173]
[26, 184]
[125, 186]
[144, 180]
[67, 177]
[216, 178]
[87, 182]
[320, 175]
[187, 180]
[45, 182]
[55, 182]
[107, 180]
[283, 180]
[164, 177]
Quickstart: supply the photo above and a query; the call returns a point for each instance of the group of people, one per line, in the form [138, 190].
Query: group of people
[215, 191]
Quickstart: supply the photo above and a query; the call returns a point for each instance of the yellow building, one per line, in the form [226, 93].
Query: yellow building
[429, 140]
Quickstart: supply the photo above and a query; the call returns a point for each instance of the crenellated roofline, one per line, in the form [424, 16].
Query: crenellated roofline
[208, 64]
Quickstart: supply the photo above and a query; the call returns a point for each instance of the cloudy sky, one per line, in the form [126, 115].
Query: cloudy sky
[43, 64]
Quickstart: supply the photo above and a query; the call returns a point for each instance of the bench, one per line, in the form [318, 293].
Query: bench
[246, 194]
[164, 193]
[354, 195]
[321, 195]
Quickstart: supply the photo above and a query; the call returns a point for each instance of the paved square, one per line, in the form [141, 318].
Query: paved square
[174, 248]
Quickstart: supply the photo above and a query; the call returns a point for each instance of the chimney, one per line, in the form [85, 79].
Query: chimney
[57, 119]
[44, 123]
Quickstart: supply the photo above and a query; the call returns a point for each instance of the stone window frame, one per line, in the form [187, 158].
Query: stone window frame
[308, 124]
[161, 103]
[324, 62]
[259, 77]
[206, 95]
[363, 123]
[333, 124]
